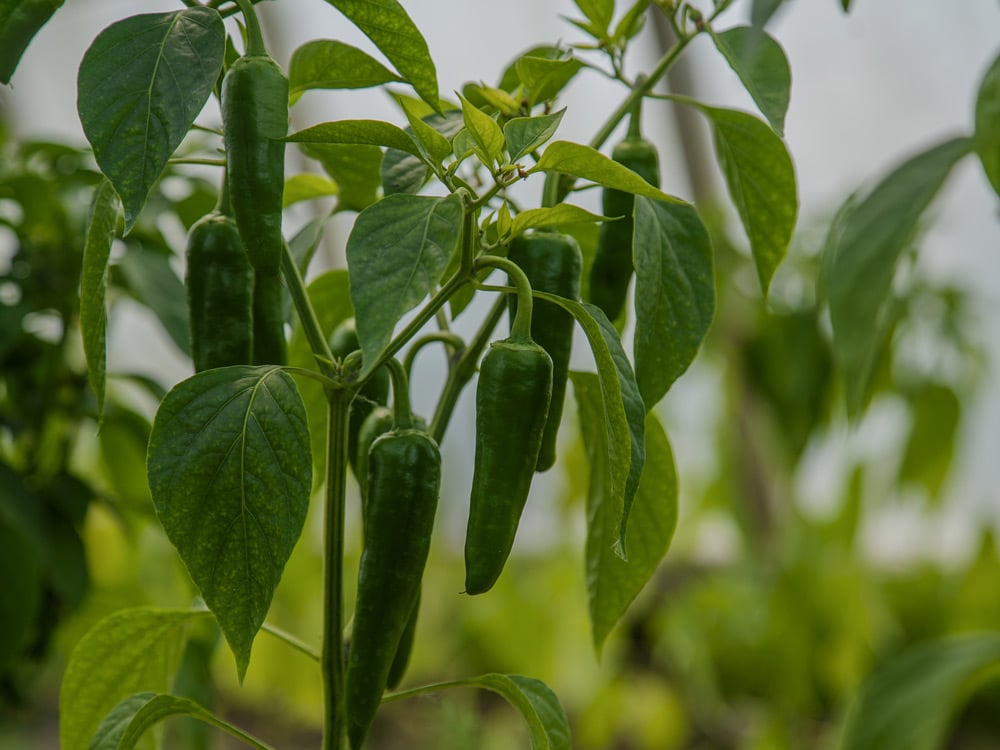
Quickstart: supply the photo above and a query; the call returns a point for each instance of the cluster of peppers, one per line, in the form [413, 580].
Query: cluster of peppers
[235, 297]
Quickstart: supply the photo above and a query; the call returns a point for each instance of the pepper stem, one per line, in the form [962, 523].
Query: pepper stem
[520, 330]
[635, 116]
[401, 413]
[255, 39]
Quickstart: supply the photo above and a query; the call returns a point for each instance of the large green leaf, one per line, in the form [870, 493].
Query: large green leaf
[612, 584]
[761, 65]
[396, 253]
[861, 256]
[93, 286]
[330, 64]
[387, 24]
[140, 86]
[587, 163]
[20, 20]
[987, 136]
[354, 168]
[761, 182]
[357, 132]
[230, 473]
[127, 722]
[674, 293]
[908, 703]
[128, 651]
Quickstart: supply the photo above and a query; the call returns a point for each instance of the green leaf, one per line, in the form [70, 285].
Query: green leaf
[987, 135]
[613, 584]
[861, 257]
[763, 10]
[761, 182]
[230, 475]
[23, 548]
[357, 132]
[631, 23]
[435, 148]
[306, 186]
[548, 727]
[404, 173]
[564, 213]
[624, 413]
[126, 652]
[761, 65]
[846, 5]
[150, 278]
[589, 164]
[931, 445]
[93, 286]
[674, 293]
[20, 20]
[908, 703]
[525, 134]
[355, 169]
[484, 131]
[396, 253]
[330, 295]
[545, 77]
[127, 722]
[598, 12]
[389, 27]
[140, 86]
[329, 64]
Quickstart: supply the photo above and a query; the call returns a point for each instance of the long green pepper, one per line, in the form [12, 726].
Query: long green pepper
[254, 120]
[552, 262]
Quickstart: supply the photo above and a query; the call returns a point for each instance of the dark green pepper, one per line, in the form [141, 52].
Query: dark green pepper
[404, 477]
[552, 262]
[254, 120]
[219, 282]
[613, 265]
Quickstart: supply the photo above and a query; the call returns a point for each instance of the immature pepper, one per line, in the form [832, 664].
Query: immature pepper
[254, 120]
[512, 404]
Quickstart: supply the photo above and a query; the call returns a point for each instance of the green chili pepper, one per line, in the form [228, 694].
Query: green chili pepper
[552, 263]
[375, 392]
[219, 282]
[254, 120]
[612, 270]
[512, 403]
[404, 477]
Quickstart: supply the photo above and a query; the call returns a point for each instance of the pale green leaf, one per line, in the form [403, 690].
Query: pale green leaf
[546, 720]
[861, 257]
[598, 12]
[632, 22]
[357, 132]
[484, 131]
[987, 135]
[434, 147]
[587, 163]
[140, 86]
[93, 286]
[396, 254]
[330, 64]
[564, 213]
[230, 473]
[387, 24]
[306, 186]
[762, 66]
[525, 134]
[545, 77]
[127, 652]
[674, 293]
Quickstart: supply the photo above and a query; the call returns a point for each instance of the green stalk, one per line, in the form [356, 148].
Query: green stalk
[402, 415]
[332, 653]
[255, 39]
[520, 330]
[307, 315]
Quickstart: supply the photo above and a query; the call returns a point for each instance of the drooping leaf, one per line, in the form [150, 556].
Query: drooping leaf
[548, 727]
[20, 20]
[484, 130]
[762, 66]
[613, 584]
[140, 86]
[396, 253]
[127, 652]
[127, 722]
[357, 132]
[93, 286]
[761, 182]
[624, 413]
[355, 169]
[230, 475]
[987, 135]
[674, 293]
[908, 703]
[559, 215]
[525, 134]
[860, 259]
[389, 27]
[330, 64]
[587, 163]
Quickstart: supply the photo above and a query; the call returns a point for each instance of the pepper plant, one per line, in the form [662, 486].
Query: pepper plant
[238, 450]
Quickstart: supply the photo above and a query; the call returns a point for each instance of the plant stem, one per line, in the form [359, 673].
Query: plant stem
[332, 654]
[255, 39]
[307, 315]
[297, 643]
[521, 328]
